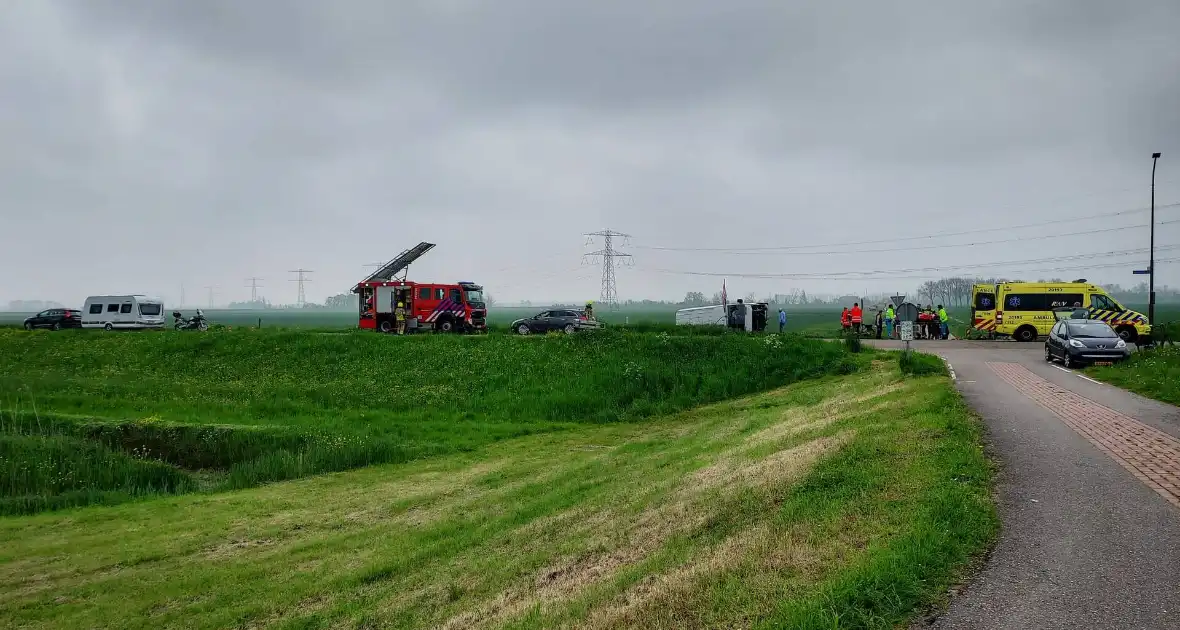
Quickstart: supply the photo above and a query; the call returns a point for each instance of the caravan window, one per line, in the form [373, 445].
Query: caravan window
[112, 308]
[125, 308]
[96, 309]
[149, 309]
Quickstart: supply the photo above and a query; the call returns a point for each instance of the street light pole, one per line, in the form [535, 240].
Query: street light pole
[1151, 255]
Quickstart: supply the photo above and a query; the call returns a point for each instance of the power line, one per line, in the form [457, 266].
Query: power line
[880, 272]
[1004, 228]
[936, 274]
[253, 284]
[611, 257]
[301, 278]
[912, 248]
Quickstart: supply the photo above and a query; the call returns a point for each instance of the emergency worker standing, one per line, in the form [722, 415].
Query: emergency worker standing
[890, 316]
[858, 316]
[944, 323]
[399, 316]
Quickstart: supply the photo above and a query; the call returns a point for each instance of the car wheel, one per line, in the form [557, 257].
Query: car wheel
[57, 325]
[28, 325]
[108, 327]
[569, 329]
[523, 329]
[1026, 334]
[1048, 354]
[1068, 360]
[1127, 334]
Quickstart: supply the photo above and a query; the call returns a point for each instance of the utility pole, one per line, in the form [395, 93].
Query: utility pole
[301, 278]
[181, 305]
[1151, 256]
[253, 288]
[611, 258]
[210, 290]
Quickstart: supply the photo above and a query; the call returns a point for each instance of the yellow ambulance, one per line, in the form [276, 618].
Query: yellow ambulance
[1025, 310]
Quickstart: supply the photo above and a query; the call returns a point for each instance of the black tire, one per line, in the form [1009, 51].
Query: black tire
[523, 329]
[57, 325]
[29, 325]
[1128, 334]
[385, 326]
[109, 327]
[1068, 361]
[446, 326]
[569, 329]
[1048, 354]
[1026, 334]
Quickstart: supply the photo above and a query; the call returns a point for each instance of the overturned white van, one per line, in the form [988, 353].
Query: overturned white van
[127, 312]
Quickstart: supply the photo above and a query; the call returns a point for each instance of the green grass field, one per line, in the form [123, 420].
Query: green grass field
[840, 501]
[236, 408]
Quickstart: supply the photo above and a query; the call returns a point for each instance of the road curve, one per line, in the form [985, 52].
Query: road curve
[1088, 495]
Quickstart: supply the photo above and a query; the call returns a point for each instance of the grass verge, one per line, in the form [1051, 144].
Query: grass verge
[840, 502]
[1154, 373]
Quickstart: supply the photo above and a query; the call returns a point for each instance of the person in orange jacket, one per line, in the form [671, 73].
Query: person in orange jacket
[846, 319]
[857, 315]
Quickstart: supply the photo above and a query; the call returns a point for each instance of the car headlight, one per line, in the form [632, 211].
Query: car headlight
[1077, 344]
[1121, 344]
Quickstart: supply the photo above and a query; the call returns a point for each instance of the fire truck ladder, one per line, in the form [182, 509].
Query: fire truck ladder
[403, 260]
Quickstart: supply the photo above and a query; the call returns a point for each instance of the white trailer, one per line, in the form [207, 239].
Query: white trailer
[124, 312]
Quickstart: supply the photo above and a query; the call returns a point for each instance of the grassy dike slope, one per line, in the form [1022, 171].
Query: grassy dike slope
[840, 502]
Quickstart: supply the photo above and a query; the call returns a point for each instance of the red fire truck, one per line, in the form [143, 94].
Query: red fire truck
[443, 307]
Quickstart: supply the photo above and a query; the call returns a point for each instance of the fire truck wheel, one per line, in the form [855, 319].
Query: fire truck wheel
[385, 326]
[446, 326]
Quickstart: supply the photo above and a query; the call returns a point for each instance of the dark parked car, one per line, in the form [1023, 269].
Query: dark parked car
[1083, 342]
[558, 319]
[55, 318]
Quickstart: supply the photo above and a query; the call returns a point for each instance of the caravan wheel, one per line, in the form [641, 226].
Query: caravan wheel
[109, 326]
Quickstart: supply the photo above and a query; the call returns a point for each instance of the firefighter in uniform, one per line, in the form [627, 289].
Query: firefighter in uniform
[399, 316]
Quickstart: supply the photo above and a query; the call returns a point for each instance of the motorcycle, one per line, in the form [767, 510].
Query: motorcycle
[197, 322]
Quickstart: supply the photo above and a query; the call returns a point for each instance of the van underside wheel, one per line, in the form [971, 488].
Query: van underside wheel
[1127, 333]
[1026, 333]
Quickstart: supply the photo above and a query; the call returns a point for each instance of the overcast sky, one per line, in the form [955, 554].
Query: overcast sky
[150, 144]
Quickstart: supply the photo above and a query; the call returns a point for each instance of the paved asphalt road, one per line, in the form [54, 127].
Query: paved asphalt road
[1084, 543]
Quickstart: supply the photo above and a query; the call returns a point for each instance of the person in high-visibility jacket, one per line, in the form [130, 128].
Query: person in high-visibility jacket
[846, 318]
[890, 315]
[399, 315]
[944, 322]
[858, 316]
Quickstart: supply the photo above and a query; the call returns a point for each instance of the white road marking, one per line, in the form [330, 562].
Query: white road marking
[1081, 376]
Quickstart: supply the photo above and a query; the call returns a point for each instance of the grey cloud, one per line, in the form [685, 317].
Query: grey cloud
[259, 136]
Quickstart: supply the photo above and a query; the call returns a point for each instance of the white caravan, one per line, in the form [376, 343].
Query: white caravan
[112, 312]
[755, 320]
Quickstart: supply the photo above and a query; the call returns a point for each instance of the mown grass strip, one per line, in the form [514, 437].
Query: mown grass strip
[842, 502]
